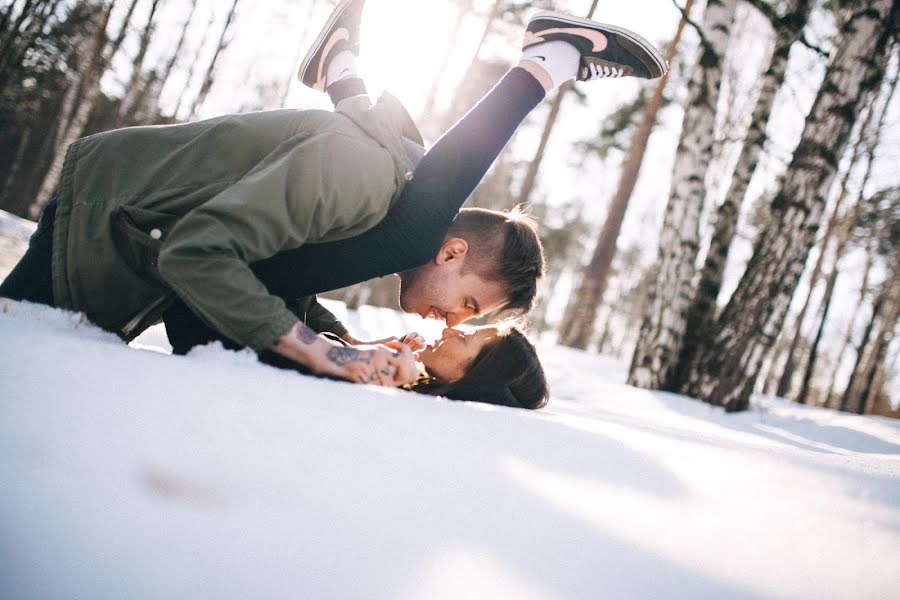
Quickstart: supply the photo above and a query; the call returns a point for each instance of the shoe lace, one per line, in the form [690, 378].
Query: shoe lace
[593, 71]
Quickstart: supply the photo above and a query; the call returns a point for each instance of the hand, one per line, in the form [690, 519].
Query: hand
[375, 366]
[415, 341]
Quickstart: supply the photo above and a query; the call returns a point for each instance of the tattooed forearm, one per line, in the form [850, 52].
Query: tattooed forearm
[306, 335]
[342, 356]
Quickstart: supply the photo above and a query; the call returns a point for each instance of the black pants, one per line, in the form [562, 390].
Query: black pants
[32, 277]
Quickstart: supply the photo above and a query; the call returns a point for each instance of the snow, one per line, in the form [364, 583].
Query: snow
[130, 473]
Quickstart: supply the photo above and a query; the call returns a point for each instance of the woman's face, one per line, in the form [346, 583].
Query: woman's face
[449, 357]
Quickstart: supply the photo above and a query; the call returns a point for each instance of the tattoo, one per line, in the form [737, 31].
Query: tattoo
[386, 371]
[306, 335]
[343, 356]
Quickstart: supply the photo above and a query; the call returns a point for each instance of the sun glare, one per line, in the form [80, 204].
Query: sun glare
[404, 43]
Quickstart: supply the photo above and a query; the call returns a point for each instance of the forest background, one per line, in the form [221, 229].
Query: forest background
[732, 228]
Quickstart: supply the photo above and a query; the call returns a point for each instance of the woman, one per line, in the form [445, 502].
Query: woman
[495, 364]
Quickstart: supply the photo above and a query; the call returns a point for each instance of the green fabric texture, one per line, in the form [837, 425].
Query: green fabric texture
[148, 211]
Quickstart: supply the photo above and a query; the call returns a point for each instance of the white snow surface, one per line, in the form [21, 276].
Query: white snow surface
[129, 473]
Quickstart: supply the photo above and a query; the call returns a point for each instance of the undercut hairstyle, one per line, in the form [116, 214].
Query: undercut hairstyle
[506, 371]
[504, 246]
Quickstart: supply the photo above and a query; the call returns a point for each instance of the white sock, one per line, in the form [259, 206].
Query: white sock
[559, 59]
[343, 65]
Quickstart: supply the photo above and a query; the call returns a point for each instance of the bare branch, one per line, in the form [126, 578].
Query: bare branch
[766, 9]
[696, 27]
[817, 49]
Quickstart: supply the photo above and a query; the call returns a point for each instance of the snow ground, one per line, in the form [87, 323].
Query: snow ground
[129, 473]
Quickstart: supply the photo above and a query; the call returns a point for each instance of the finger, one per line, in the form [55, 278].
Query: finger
[383, 369]
[414, 341]
[393, 345]
[406, 367]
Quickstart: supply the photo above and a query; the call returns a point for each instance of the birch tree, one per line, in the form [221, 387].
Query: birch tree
[843, 240]
[583, 305]
[726, 369]
[701, 314]
[851, 322]
[864, 383]
[664, 321]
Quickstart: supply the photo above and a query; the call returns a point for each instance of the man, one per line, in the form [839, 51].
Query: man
[233, 217]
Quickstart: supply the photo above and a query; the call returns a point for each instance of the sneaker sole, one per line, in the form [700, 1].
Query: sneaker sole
[323, 34]
[630, 35]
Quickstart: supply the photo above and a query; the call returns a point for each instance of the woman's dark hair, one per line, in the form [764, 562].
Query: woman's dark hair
[506, 371]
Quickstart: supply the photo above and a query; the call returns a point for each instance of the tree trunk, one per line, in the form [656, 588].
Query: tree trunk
[787, 375]
[823, 310]
[702, 312]
[431, 98]
[488, 27]
[176, 54]
[531, 174]
[16, 166]
[133, 89]
[844, 237]
[101, 57]
[848, 334]
[210, 71]
[584, 303]
[193, 68]
[860, 387]
[850, 402]
[92, 46]
[726, 370]
[9, 36]
[11, 58]
[549, 124]
[664, 322]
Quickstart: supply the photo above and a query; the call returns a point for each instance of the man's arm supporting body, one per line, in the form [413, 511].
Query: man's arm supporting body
[305, 191]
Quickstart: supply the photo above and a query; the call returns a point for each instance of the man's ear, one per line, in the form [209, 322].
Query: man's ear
[452, 249]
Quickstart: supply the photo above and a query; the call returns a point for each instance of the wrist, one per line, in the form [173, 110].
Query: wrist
[303, 345]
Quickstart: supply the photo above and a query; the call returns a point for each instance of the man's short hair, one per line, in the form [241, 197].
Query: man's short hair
[504, 246]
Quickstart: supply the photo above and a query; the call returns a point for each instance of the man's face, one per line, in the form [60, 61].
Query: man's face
[441, 289]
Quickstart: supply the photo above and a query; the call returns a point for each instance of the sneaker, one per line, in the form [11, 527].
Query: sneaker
[606, 50]
[341, 32]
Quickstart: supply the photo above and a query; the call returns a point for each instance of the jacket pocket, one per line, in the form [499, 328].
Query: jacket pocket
[138, 234]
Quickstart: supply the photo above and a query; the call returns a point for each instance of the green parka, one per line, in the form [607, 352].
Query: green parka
[148, 212]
